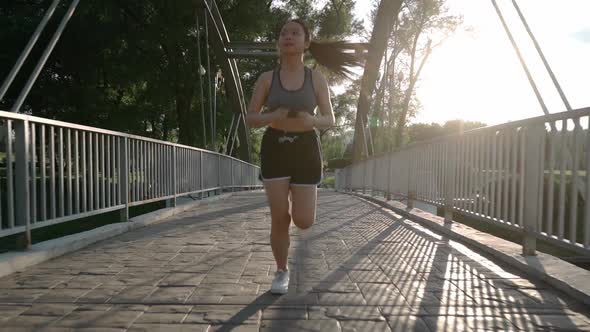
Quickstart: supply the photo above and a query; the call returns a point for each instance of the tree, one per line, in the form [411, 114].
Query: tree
[422, 132]
[132, 66]
[421, 26]
[384, 20]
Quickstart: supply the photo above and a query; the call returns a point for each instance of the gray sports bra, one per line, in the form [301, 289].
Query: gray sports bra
[296, 100]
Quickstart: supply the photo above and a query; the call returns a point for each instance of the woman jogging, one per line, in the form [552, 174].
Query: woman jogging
[291, 160]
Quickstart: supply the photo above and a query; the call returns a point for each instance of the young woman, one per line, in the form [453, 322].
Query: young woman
[291, 160]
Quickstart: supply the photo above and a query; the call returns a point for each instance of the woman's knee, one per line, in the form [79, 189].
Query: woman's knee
[303, 222]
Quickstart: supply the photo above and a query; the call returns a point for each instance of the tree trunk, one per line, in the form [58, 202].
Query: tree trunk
[387, 12]
[401, 123]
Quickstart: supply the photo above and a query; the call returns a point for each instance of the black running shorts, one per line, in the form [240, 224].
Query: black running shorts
[296, 156]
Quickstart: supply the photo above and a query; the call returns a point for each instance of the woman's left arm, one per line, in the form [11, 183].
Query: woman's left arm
[325, 118]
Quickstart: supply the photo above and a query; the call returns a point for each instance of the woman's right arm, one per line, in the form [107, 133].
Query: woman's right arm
[254, 118]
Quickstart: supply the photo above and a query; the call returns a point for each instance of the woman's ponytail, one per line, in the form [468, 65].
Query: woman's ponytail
[335, 56]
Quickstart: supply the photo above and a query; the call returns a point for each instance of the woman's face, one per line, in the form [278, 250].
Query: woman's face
[292, 39]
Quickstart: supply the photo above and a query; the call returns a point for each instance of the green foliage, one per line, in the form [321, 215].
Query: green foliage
[329, 182]
[423, 131]
[339, 163]
[132, 66]
[337, 20]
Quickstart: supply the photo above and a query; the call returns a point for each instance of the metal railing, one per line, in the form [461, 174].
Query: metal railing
[531, 176]
[53, 171]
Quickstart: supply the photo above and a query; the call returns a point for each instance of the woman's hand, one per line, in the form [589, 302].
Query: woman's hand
[307, 120]
[280, 113]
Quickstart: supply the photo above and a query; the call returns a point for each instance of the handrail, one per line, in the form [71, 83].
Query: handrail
[580, 112]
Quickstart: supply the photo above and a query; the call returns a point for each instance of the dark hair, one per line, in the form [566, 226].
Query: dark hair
[332, 55]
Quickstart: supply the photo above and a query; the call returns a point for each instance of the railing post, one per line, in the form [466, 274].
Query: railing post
[22, 199]
[373, 177]
[450, 180]
[219, 175]
[532, 185]
[364, 175]
[388, 193]
[411, 193]
[349, 179]
[124, 177]
[201, 194]
[174, 186]
[231, 170]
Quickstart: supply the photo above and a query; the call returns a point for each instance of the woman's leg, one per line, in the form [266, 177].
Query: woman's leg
[277, 192]
[304, 198]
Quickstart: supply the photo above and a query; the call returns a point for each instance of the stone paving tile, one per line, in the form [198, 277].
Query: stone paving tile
[570, 322]
[225, 314]
[114, 319]
[168, 327]
[68, 329]
[346, 313]
[161, 318]
[233, 328]
[100, 294]
[359, 268]
[285, 313]
[169, 295]
[94, 307]
[343, 299]
[30, 322]
[359, 326]
[300, 325]
[391, 311]
[10, 311]
[132, 294]
[446, 323]
[203, 299]
[50, 310]
[408, 323]
[62, 296]
[20, 295]
[182, 280]
[173, 309]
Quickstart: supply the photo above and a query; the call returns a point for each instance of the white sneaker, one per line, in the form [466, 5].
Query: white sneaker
[280, 284]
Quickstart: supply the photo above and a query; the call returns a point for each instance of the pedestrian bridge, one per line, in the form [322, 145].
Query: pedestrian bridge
[378, 258]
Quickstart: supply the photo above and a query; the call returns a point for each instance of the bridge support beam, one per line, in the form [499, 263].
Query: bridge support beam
[219, 38]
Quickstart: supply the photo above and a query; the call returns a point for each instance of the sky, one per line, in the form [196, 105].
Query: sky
[476, 76]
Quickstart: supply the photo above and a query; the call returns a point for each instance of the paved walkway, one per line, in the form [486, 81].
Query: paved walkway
[361, 268]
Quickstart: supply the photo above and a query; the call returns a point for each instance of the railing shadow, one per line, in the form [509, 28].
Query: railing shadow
[418, 279]
[363, 267]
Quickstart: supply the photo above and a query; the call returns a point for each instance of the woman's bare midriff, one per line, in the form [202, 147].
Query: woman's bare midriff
[291, 125]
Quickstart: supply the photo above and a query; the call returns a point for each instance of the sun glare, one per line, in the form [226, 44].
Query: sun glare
[477, 76]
